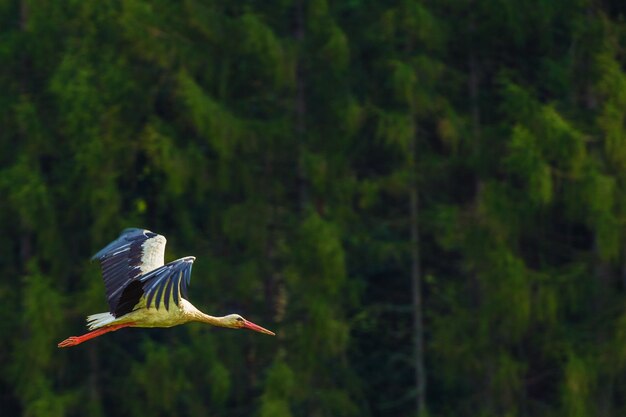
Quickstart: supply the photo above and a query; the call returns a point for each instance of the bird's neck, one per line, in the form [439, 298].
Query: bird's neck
[196, 315]
[212, 320]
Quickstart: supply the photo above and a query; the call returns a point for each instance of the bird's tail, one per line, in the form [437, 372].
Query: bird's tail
[95, 321]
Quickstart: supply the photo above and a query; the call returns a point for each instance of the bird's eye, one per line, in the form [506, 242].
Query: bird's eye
[239, 319]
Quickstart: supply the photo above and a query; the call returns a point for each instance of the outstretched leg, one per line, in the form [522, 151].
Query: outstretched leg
[76, 340]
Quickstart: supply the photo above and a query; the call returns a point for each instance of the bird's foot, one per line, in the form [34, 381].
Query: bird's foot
[70, 341]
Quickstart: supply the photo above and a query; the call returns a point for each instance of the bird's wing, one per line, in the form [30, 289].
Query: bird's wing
[133, 253]
[166, 283]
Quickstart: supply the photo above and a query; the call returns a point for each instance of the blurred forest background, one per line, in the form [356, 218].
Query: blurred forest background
[424, 199]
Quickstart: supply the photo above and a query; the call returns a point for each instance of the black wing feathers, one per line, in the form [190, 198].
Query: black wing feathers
[128, 300]
[166, 283]
[121, 262]
[168, 290]
[127, 236]
[124, 262]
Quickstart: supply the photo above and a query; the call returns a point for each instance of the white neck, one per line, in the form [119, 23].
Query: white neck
[193, 314]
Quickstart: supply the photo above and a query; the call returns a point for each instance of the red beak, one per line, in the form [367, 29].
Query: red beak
[249, 325]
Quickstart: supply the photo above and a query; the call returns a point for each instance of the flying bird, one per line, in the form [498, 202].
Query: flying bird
[143, 292]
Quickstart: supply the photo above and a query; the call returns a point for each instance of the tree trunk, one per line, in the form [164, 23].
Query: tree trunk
[604, 278]
[489, 392]
[24, 12]
[473, 80]
[624, 269]
[416, 288]
[300, 105]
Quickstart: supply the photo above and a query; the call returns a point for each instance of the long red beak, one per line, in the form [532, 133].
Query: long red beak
[249, 325]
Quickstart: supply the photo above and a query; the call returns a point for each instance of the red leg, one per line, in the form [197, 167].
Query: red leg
[76, 340]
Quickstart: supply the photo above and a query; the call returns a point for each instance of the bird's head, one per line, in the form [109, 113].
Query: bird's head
[235, 321]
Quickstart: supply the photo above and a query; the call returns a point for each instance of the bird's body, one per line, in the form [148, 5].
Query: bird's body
[143, 292]
[144, 317]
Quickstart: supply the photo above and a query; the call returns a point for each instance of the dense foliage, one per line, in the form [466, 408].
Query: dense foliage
[392, 186]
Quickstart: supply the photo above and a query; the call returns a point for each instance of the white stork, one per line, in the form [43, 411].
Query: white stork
[143, 292]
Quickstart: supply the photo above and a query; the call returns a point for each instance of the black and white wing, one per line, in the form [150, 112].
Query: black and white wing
[135, 252]
[166, 283]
